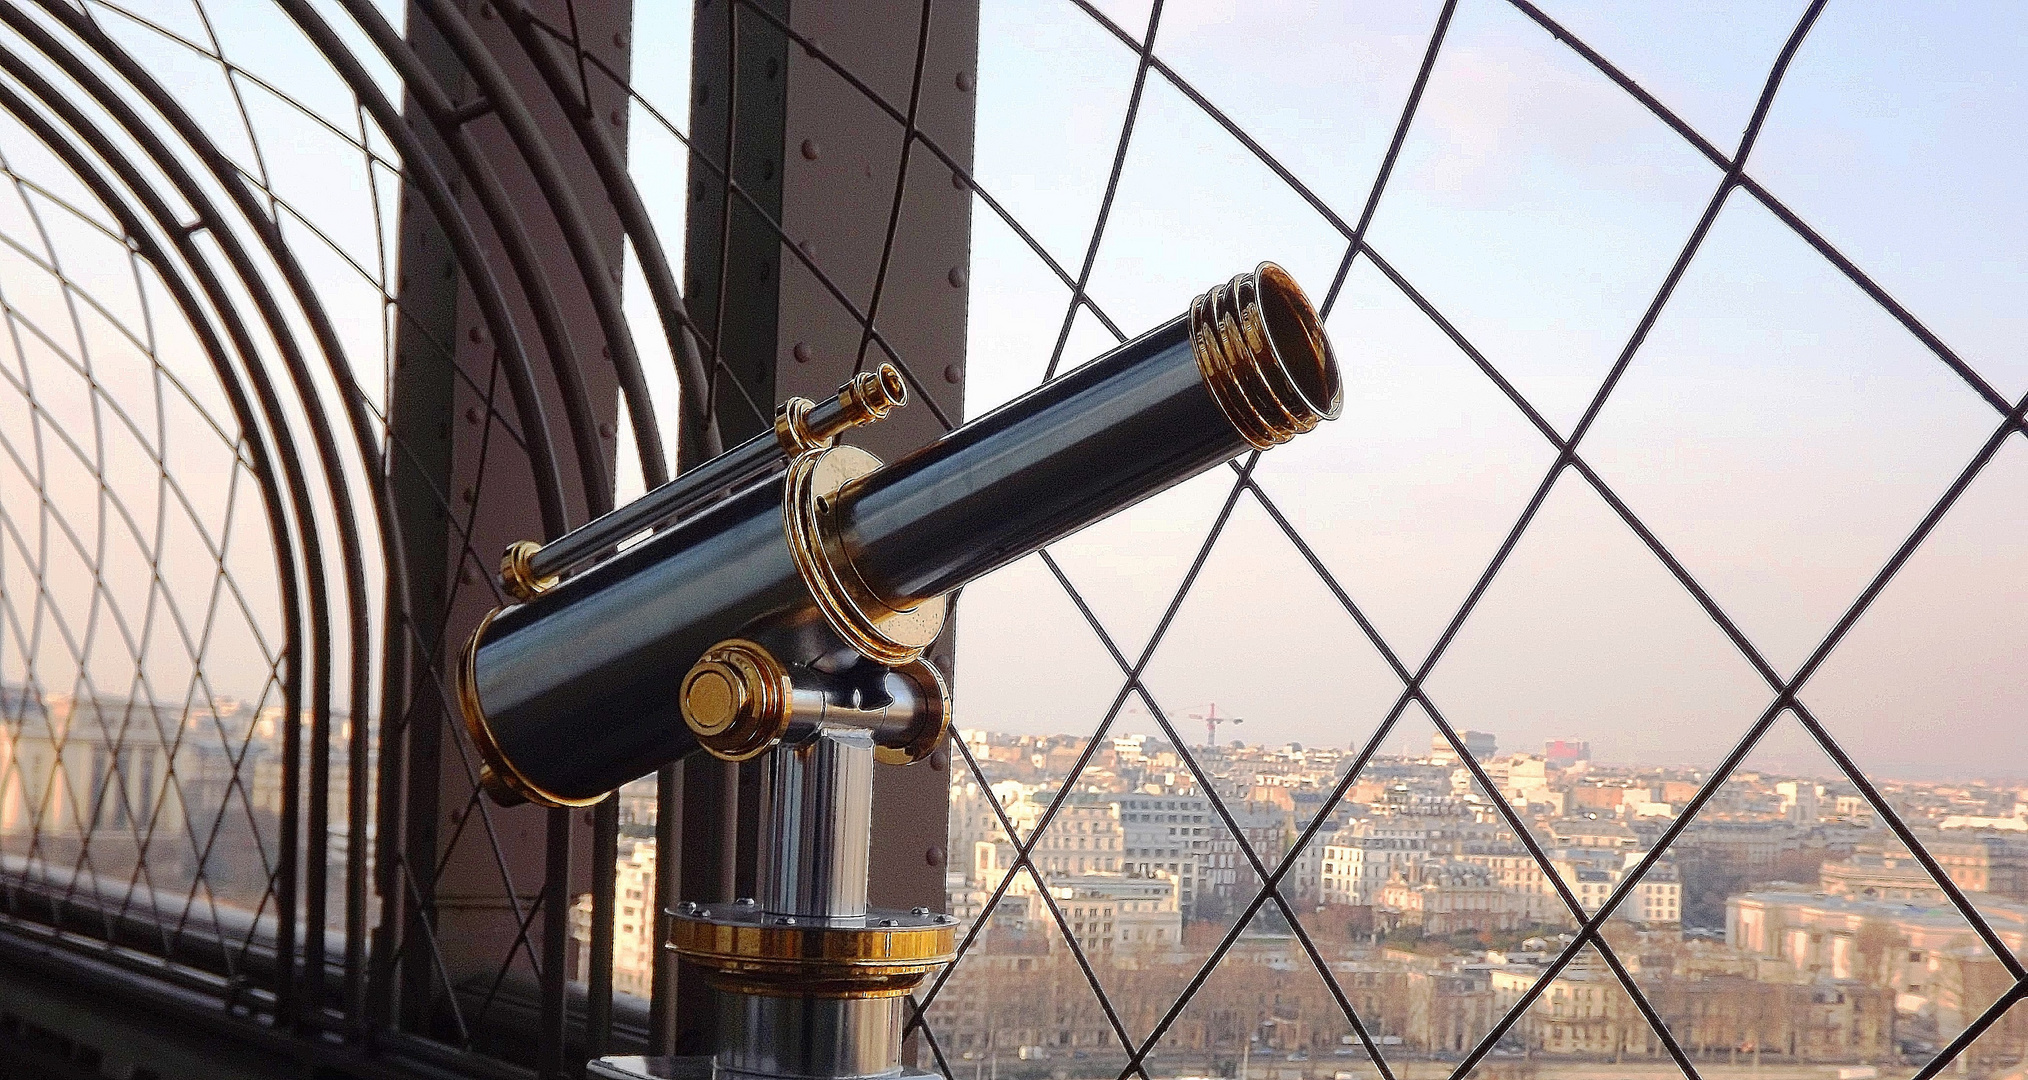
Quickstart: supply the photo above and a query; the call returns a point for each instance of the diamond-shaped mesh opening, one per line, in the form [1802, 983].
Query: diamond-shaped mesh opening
[1263, 1011]
[1707, 66]
[1009, 344]
[1296, 678]
[1424, 888]
[1582, 631]
[1128, 567]
[1950, 249]
[1721, 438]
[1092, 82]
[1537, 206]
[1156, 857]
[1407, 495]
[1178, 166]
[1027, 993]
[1962, 599]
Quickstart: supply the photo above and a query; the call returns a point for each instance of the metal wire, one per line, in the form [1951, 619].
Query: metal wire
[228, 247]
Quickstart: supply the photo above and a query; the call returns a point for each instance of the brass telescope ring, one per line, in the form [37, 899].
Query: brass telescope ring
[1233, 329]
[859, 618]
[497, 773]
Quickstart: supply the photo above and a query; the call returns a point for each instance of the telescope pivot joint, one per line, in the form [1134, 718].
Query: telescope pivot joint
[740, 701]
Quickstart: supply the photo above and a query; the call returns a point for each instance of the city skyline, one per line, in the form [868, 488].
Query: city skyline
[1785, 745]
[1788, 897]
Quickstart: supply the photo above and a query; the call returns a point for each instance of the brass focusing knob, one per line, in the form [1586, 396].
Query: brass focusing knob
[517, 571]
[736, 700]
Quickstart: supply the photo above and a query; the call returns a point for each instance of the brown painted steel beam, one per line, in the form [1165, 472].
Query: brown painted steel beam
[818, 161]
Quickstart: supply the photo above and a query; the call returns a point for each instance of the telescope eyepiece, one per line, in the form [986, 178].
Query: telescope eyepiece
[802, 425]
[1264, 357]
[874, 393]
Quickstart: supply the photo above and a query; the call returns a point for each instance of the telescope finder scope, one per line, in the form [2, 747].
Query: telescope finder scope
[794, 582]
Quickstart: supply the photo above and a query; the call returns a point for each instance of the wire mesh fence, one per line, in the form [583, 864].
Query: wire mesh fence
[1271, 971]
[309, 305]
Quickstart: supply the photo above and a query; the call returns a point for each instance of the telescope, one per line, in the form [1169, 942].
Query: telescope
[777, 601]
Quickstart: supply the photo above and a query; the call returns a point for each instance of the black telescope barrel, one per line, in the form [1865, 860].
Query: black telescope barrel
[1247, 366]
[1082, 447]
[576, 692]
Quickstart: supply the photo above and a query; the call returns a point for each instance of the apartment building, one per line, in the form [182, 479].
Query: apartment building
[1168, 834]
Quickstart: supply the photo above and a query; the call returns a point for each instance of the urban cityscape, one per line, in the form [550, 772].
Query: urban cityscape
[171, 810]
[1785, 932]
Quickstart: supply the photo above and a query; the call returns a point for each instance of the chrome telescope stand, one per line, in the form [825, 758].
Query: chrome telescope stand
[808, 981]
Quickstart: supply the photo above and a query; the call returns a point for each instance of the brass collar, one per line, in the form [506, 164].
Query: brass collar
[859, 618]
[885, 954]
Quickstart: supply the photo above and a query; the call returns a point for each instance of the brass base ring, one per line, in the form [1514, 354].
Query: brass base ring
[883, 954]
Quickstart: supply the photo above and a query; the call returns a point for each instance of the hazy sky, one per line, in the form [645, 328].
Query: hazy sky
[1778, 431]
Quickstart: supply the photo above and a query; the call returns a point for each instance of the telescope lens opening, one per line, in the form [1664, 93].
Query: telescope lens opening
[892, 385]
[1296, 336]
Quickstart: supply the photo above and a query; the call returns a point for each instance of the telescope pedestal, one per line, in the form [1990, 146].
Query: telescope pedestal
[762, 1036]
[808, 981]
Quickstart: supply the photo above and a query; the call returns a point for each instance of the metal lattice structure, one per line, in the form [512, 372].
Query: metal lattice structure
[1140, 1039]
[311, 410]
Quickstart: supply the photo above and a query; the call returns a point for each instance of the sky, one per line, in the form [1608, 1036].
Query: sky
[1777, 430]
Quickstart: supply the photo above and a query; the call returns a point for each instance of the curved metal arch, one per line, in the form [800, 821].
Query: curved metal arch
[597, 490]
[639, 226]
[269, 311]
[307, 398]
[599, 280]
[506, 225]
[250, 300]
[315, 625]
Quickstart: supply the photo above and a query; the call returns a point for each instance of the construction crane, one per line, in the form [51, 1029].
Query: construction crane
[1211, 721]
